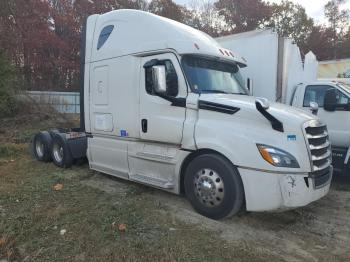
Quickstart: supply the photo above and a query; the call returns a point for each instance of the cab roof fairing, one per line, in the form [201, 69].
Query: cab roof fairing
[138, 31]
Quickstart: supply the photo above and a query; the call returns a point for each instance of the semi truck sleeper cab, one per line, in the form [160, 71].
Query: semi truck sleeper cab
[165, 105]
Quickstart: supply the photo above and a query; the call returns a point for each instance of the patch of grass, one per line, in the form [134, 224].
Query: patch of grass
[22, 128]
[10, 150]
[34, 215]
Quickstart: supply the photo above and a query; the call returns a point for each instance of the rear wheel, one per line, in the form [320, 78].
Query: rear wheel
[60, 153]
[214, 186]
[42, 144]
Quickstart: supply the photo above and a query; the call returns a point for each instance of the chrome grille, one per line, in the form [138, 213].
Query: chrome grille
[319, 145]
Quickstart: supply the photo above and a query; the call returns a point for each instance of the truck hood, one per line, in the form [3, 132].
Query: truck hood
[284, 113]
[237, 132]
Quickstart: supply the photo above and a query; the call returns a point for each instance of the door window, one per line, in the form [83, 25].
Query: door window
[342, 99]
[316, 93]
[171, 79]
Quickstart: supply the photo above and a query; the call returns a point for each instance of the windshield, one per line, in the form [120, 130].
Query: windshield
[345, 87]
[207, 75]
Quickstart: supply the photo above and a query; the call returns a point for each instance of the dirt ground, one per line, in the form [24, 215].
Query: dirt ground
[319, 232]
[98, 217]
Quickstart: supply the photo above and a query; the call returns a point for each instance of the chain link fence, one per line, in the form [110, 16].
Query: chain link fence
[63, 102]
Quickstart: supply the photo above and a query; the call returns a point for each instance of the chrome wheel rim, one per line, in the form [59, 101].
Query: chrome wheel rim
[209, 187]
[58, 152]
[39, 148]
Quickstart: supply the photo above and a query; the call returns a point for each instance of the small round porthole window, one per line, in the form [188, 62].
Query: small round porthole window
[105, 33]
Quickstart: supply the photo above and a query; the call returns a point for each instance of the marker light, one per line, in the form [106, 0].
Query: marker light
[277, 157]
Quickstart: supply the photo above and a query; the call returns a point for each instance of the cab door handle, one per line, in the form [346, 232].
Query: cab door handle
[144, 125]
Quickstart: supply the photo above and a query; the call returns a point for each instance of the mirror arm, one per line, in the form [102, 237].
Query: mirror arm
[275, 123]
[151, 63]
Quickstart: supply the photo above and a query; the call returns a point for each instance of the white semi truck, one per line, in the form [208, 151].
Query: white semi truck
[164, 105]
[276, 71]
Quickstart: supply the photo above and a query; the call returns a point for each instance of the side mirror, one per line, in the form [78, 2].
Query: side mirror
[159, 79]
[249, 85]
[314, 108]
[330, 100]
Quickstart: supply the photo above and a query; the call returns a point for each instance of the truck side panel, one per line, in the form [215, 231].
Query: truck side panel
[113, 106]
[114, 98]
[108, 155]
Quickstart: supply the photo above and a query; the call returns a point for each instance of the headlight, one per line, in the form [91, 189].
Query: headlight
[277, 157]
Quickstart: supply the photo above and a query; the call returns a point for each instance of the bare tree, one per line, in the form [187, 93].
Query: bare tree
[338, 20]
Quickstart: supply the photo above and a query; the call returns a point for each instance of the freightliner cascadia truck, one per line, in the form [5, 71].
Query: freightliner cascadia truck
[164, 105]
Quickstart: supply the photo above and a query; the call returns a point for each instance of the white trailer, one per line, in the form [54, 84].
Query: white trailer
[164, 105]
[276, 71]
[275, 65]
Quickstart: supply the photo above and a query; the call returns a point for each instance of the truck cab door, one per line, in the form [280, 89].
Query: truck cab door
[152, 159]
[338, 121]
[160, 119]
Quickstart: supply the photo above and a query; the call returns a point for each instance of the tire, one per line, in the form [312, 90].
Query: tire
[213, 186]
[53, 131]
[41, 146]
[60, 153]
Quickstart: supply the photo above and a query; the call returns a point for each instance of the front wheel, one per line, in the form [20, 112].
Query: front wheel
[213, 186]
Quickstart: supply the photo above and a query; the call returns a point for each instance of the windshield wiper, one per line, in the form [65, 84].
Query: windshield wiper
[214, 91]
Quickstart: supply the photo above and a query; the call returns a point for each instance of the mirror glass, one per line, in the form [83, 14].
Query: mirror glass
[159, 79]
[330, 100]
[249, 85]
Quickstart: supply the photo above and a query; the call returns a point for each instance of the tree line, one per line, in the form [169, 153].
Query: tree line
[41, 38]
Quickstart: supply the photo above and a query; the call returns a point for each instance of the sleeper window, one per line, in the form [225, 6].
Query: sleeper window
[105, 33]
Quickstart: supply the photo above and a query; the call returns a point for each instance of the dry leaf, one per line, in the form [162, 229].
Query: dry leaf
[58, 187]
[122, 227]
[2, 241]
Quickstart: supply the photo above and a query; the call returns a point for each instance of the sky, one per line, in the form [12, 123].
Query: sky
[314, 8]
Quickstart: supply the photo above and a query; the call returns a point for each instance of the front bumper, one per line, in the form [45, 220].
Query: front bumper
[266, 191]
